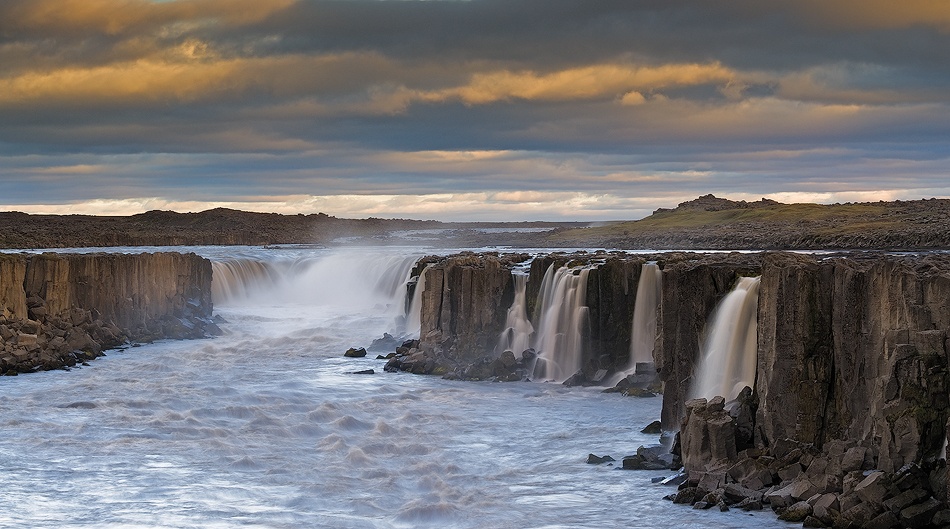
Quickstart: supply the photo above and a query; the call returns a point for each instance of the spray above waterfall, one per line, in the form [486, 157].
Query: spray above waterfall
[728, 361]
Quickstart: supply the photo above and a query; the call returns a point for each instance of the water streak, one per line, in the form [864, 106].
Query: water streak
[643, 324]
[728, 360]
[414, 311]
[643, 328]
[518, 329]
[563, 328]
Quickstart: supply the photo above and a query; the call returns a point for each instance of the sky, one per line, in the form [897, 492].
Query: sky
[469, 110]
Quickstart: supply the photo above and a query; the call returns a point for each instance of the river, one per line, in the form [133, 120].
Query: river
[268, 427]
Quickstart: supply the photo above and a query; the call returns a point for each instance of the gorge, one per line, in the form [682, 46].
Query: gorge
[844, 356]
[844, 418]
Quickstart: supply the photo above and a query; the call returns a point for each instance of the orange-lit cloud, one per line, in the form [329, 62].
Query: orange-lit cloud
[589, 82]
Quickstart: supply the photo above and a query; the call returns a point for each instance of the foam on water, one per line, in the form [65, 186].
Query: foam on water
[265, 427]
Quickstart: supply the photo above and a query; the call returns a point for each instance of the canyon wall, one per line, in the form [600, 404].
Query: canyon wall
[846, 424]
[467, 296]
[850, 347]
[855, 349]
[59, 309]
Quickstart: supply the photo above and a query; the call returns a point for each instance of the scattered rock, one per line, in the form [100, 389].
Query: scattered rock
[653, 428]
[354, 352]
[797, 512]
[596, 460]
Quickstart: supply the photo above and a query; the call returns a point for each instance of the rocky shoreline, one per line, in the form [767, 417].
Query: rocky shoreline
[60, 310]
[839, 484]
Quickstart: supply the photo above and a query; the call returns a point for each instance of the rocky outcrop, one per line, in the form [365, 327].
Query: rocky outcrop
[60, 309]
[851, 396]
[464, 304]
[855, 349]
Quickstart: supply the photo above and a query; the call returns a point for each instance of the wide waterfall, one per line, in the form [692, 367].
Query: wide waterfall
[374, 279]
[562, 330]
[728, 360]
[236, 279]
[518, 329]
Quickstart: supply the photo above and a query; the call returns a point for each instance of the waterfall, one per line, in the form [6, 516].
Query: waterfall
[643, 328]
[373, 279]
[237, 279]
[518, 329]
[563, 325]
[643, 325]
[414, 311]
[728, 360]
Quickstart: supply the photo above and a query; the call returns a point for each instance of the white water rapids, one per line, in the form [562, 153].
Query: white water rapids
[265, 427]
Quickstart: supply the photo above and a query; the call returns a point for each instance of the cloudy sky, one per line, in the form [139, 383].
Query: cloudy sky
[478, 109]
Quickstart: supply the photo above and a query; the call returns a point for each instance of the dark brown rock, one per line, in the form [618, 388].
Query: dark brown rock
[920, 514]
[55, 305]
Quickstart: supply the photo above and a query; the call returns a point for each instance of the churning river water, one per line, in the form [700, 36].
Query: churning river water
[267, 427]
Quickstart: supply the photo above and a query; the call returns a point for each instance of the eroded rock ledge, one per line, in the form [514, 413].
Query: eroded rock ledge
[57, 310]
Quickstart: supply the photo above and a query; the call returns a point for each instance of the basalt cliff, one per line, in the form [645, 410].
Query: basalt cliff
[57, 310]
[842, 424]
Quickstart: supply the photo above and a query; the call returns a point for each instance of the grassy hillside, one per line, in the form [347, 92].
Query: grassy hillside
[712, 223]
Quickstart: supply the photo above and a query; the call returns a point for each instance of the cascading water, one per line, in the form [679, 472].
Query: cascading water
[518, 329]
[643, 330]
[728, 360]
[414, 311]
[563, 326]
[375, 280]
[237, 279]
[643, 326]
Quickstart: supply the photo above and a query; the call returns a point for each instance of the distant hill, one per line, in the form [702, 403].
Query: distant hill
[231, 227]
[713, 223]
[168, 228]
[705, 223]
